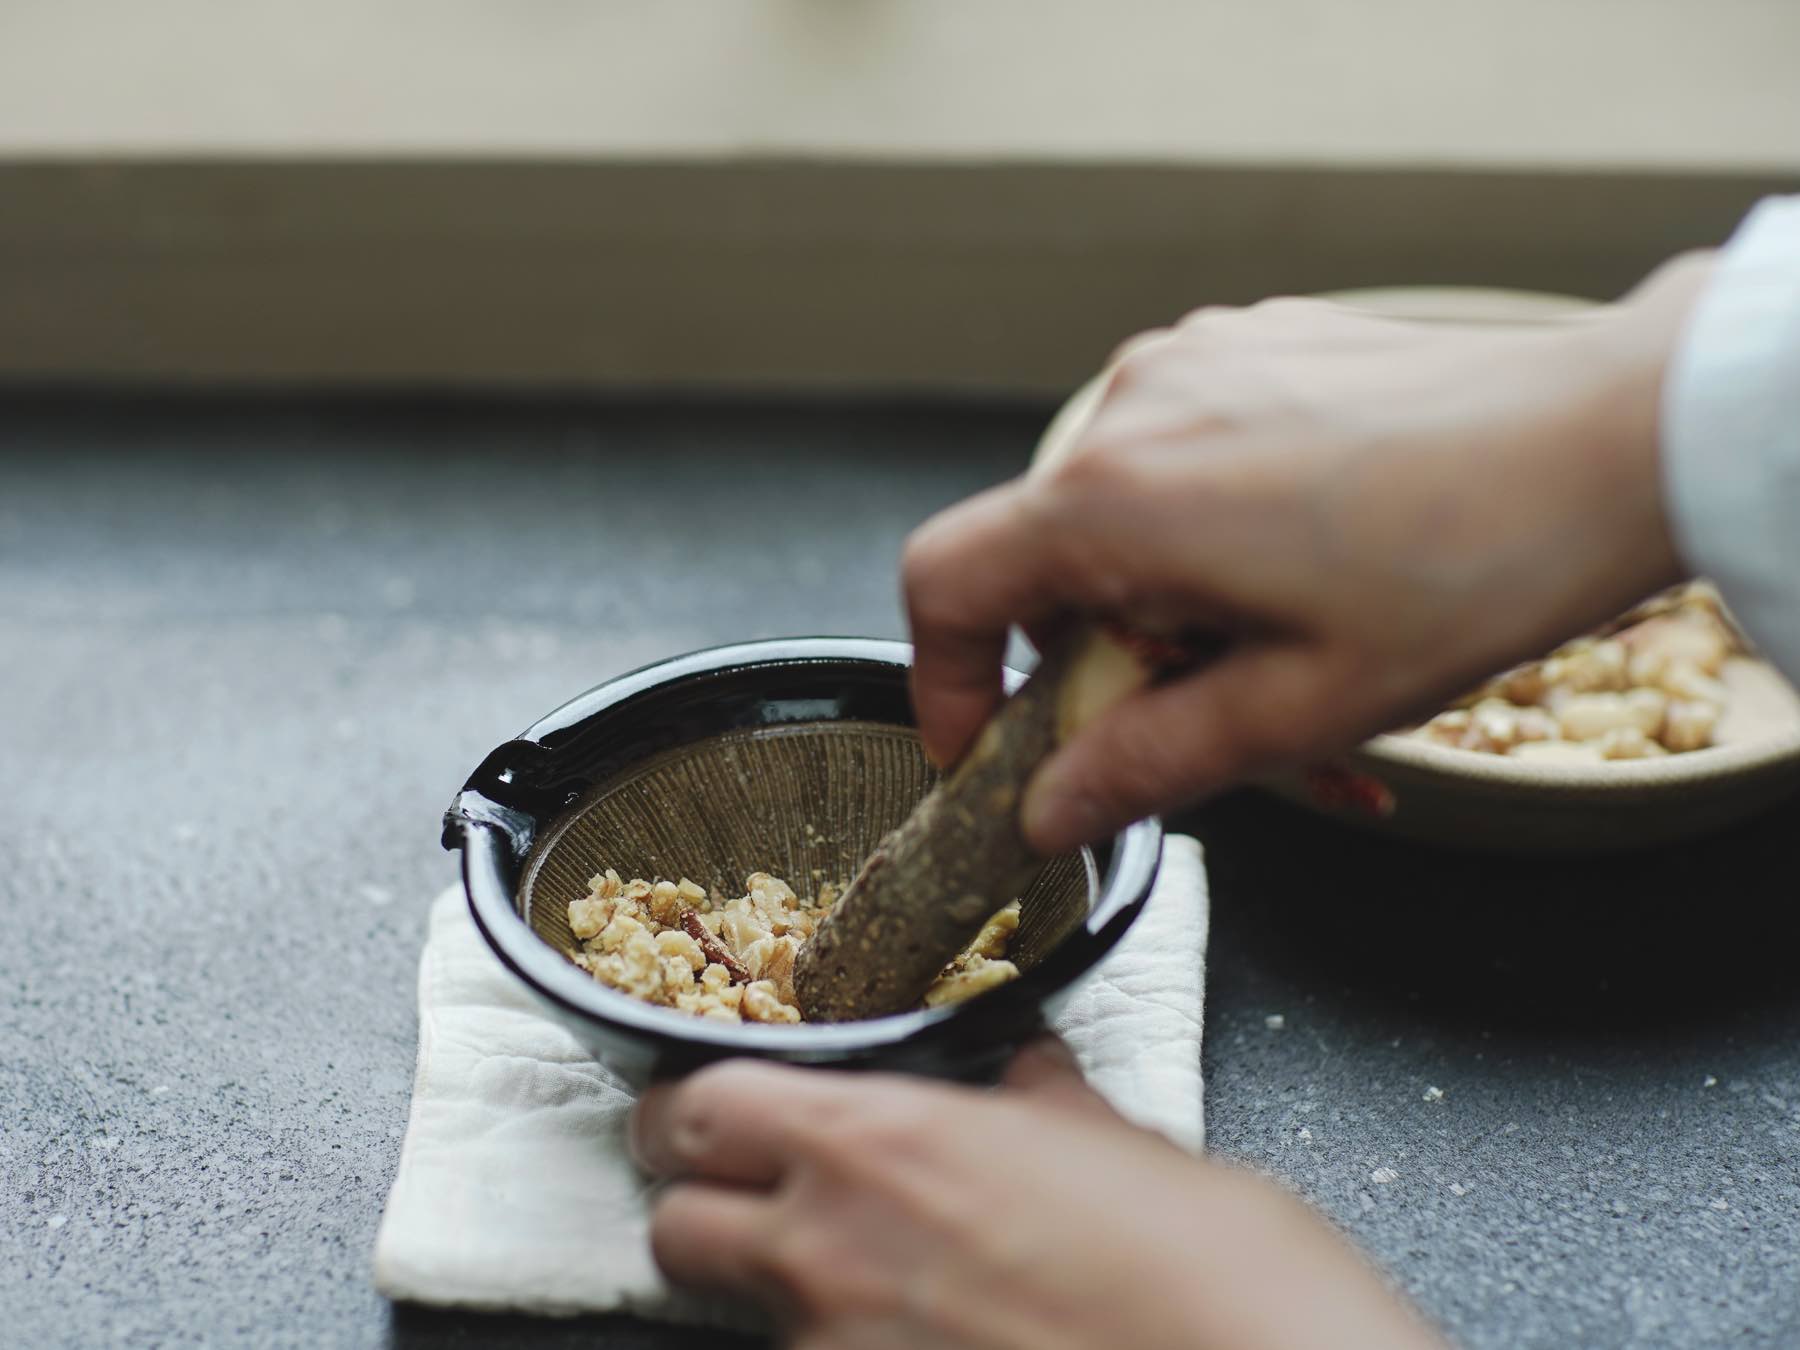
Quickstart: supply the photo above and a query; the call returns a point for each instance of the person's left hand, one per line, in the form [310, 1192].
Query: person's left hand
[879, 1211]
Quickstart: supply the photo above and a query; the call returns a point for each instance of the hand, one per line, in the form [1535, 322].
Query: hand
[878, 1211]
[1373, 514]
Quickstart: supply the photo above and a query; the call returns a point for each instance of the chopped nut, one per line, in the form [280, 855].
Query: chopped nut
[1648, 707]
[1584, 668]
[1617, 691]
[763, 1004]
[996, 933]
[1628, 743]
[1690, 725]
[1493, 725]
[676, 942]
[1588, 717]
[677, 975]
[1537, 725]
[979, 976]
[771, 959]
[1688, 681]
[665, 903]
[1523, 685]
[1447, 728]
[620, 931]
[715, 977]
[1692, 638]
[588, 915]
[735, 962]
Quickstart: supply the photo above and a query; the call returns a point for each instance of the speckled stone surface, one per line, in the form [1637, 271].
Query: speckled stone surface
[1559, 1101]
[248, 651]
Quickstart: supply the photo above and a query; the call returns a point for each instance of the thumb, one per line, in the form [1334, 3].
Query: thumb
[1174, 743]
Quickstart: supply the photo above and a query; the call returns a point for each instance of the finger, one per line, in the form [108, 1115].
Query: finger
[1174, 743]
[1047, 1071]
[970, 573]
[713, 1237]
[741, 1121]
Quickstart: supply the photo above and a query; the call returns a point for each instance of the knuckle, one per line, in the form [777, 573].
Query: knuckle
[1135, 346]
[1207, 317]
[1088, 468]
[868, 1131]
[828, 1130]
[1135, 368]
[1100, 473]
[1286, 306]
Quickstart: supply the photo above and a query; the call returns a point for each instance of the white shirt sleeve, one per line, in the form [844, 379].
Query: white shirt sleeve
[1731, 431]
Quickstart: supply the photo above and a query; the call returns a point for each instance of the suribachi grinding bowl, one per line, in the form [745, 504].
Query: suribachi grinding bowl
[791, 757]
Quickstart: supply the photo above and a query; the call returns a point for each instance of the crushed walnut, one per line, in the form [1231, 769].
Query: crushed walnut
[673, 944]
[1647, 686]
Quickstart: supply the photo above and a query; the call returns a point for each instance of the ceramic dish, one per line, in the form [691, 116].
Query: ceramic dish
[1439, 794]
[793, 757]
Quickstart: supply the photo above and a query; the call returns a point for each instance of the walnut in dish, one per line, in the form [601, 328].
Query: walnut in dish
[675, 945]
[1647, 685]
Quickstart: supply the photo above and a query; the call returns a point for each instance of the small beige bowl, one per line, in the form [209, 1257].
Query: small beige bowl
[1407, 786]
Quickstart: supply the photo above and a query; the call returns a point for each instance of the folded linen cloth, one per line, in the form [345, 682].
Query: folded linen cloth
[514, 1190]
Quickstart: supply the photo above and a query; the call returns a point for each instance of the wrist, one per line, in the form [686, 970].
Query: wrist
[1632, 345]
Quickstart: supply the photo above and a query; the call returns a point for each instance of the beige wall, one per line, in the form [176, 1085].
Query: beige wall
[1615, 83]
[982, 194]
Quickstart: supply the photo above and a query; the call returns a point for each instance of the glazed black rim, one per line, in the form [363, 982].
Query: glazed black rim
[517, 793]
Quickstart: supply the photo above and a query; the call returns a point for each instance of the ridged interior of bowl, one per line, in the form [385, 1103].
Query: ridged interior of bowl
[806, 802]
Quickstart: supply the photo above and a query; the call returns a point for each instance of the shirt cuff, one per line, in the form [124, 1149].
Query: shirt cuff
[1731, 431]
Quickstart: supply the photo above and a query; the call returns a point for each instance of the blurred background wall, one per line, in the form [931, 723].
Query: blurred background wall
[984, 194]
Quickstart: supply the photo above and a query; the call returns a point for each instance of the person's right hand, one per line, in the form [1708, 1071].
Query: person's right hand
[1374, 515]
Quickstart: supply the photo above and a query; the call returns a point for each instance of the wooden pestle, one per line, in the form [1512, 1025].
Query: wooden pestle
[931, 884]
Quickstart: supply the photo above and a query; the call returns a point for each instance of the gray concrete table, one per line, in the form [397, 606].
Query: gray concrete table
[247, 651]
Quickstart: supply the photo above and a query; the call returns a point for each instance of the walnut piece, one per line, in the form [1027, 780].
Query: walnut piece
[668, 943]
[1648, 685]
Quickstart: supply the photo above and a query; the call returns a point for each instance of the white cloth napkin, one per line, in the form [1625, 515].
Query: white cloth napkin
[514, 1190]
